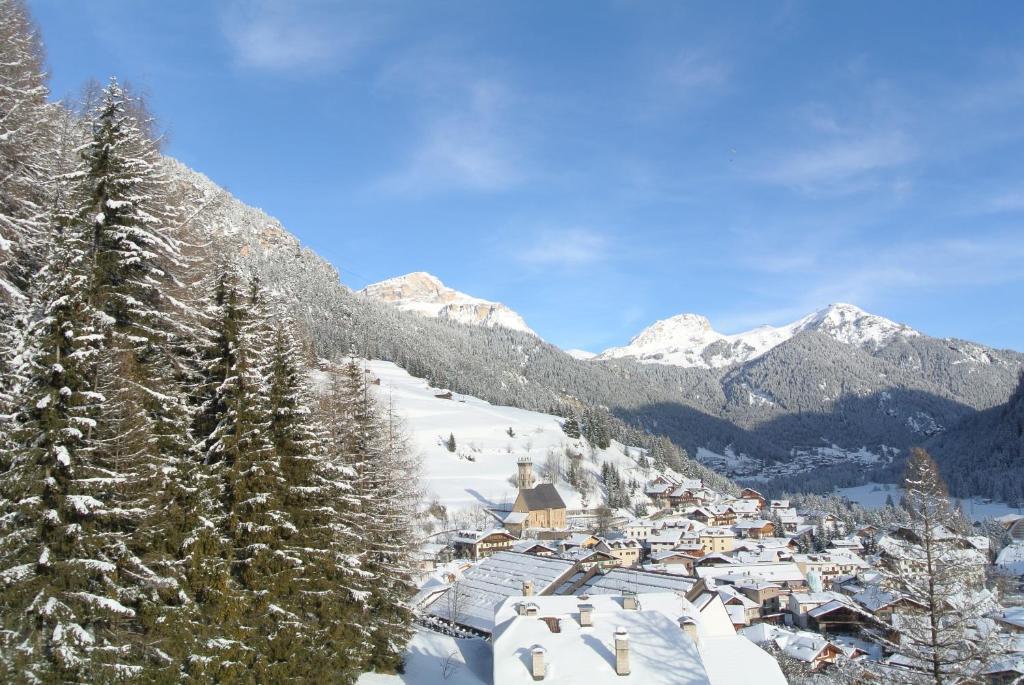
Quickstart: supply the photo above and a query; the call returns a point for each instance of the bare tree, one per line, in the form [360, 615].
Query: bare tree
[455, 600]
[449, 665]
[944, 641]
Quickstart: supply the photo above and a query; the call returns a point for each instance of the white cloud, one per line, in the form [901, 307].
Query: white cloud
[695, 70]
[465, 117]
[841, 165]
[280, 36]
[569, 248]
[466, 146]
[1010, 201]
[873, 276]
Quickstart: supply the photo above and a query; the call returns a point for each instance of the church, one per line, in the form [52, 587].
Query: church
[542, 505]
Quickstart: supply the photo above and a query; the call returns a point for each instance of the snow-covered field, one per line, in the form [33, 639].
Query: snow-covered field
[433, 658]
[873, 496]
[485, 457]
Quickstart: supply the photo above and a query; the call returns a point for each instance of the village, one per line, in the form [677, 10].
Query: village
[724, 587]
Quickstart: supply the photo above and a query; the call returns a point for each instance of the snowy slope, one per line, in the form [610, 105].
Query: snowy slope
[485, 457]
[425, 294]
[689, 340]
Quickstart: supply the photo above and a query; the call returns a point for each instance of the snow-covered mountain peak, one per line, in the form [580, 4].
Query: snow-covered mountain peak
[425, 294]
[689, 340]
[852, 325]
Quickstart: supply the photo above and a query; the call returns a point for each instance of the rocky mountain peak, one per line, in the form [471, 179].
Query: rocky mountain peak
[425, 294]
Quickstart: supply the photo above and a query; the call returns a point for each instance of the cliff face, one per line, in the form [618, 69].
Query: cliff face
[425, 294]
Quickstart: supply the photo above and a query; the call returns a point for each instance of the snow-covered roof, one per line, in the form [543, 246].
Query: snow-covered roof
[1013, 616]
[472, 537]
[776, 573]
[515, 517]
[754, 523]
[585, 655]
[1011, 558]
[842, 602]
[619, 580]
[489, 582]
[801, 645]
[660, 650]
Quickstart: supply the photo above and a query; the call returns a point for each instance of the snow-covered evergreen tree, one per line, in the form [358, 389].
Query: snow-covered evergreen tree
[386, 482]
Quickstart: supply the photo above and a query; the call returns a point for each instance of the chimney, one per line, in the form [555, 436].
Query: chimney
[586, 615]
[537, 663]
[629, 602]
[527, 588]
[689, 627]
[621, 651]
[525, 476]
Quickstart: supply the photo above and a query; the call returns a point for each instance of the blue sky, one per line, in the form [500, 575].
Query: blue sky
[597, 166]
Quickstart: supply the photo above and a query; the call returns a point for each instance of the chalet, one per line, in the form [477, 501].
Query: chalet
[543, 505]
[830, 565]
[681, 497]
[664, 540]
[802, 602]
[675, 560]
[765, 594]
[745, 508]
[754, 495]
[756, 529]
[1006, 672]
[717, 539]
[659, 488]
[583, 540]
[779, 504]
[639, 529]
[838, 615]
[785, 574]
[627, 551]
[1014, 525]
[882, 604]
[536, 548]
[1012, 620]
[813, 650]
[586, 559]
[475, 544]
[742, 610]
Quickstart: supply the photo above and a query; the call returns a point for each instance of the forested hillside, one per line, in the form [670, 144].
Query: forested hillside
[810, 392]
[985, 451]
[177, 501]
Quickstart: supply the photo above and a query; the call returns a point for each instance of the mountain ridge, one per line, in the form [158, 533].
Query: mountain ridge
[689, 340]
[810, 392]
[423, 293]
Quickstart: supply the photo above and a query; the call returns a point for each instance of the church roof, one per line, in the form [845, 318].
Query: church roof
[544, 496]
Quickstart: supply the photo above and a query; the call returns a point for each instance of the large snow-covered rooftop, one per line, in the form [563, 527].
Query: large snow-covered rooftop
[482, 587]
[660, 651]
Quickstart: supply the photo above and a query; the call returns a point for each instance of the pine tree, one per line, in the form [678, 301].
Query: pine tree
[450, 443]
[571, 428]
[64, 600]
[381, 460]
[26, 160]
[318, 497]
